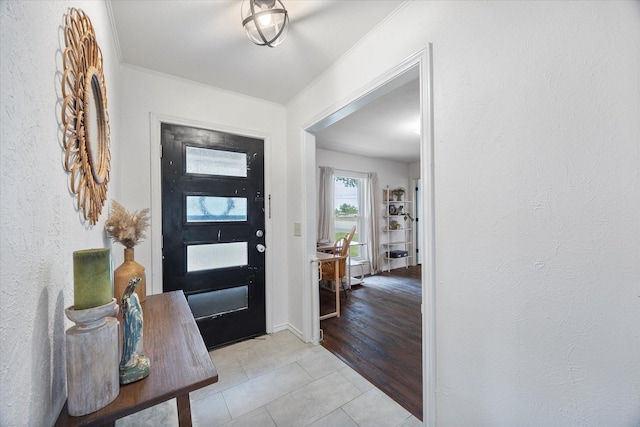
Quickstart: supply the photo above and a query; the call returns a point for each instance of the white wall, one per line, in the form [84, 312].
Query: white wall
[414, 171]
[144, 94]
[39, 225]
[393, 174]
[537, 195]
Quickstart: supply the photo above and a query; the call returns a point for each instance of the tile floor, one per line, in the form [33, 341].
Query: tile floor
[277, 380]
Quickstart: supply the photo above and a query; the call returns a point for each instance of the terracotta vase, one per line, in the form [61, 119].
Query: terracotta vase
[121, 276]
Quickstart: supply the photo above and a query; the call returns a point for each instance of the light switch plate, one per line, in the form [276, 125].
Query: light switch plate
[297, 229]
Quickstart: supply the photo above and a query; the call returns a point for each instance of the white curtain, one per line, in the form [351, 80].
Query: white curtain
[372, 204]
[325, 204]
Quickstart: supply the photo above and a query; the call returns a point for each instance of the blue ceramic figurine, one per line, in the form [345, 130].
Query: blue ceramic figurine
[134, 365]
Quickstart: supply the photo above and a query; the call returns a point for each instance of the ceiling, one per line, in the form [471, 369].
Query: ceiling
[203, 41]
[387, 126]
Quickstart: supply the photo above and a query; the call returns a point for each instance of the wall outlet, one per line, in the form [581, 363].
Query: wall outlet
[297, 229]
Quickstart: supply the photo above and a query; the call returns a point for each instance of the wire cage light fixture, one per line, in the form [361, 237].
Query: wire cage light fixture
[265, 21]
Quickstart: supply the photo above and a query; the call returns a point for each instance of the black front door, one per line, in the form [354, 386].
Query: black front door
[213, 229]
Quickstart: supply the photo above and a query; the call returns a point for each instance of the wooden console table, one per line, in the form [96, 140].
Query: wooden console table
[180, 363]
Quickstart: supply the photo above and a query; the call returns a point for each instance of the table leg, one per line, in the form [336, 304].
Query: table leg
[184, 410]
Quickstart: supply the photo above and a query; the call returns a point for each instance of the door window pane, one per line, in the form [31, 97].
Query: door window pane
[206, 161]
[216, 255]
[215, 303]
[216, 209]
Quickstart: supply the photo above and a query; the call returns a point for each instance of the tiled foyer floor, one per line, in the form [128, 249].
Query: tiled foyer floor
[277, 380]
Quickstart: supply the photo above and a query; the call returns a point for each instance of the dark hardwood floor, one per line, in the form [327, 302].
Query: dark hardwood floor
[379, 333]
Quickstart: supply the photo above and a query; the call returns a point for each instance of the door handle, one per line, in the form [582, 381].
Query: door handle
[260, 247]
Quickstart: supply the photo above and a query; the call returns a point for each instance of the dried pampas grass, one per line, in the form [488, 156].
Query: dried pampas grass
[126, 228]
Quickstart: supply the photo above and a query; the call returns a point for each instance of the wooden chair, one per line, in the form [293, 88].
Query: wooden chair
[341, 247]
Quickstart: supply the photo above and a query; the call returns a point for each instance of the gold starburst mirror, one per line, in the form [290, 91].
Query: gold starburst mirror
[84, 116]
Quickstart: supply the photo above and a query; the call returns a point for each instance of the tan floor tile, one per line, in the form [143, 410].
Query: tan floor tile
[312, 401]
[259, 391]
[257, 418]
[211, 411]
[321, 363]
[411, 422]
[374, 408]
[357, 379]
[337, 418]
[162, 415]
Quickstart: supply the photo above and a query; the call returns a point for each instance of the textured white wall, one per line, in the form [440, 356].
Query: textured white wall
[145, 93]
[39, 226]
[537, 187]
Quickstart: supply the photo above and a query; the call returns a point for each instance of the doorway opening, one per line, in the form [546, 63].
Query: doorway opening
[421, 63]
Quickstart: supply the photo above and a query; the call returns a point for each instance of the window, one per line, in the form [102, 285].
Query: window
[349, 210]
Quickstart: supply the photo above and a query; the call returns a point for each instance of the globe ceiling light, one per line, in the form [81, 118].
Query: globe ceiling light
[265, 21]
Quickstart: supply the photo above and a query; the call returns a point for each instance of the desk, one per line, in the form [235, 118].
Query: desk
[350, 262]
[324, 257]
[180, 363]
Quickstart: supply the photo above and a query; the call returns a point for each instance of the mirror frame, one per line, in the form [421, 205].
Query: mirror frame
[84, 107]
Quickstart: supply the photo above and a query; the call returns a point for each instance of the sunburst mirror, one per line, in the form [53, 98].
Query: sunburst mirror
[84, 116]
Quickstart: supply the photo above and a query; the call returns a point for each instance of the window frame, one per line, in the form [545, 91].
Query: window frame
[357, 252]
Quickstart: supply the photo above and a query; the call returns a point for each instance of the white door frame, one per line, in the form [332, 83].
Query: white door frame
[155, 121]
[311, 320]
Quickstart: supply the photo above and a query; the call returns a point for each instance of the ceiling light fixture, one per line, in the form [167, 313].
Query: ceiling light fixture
[265, 21]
